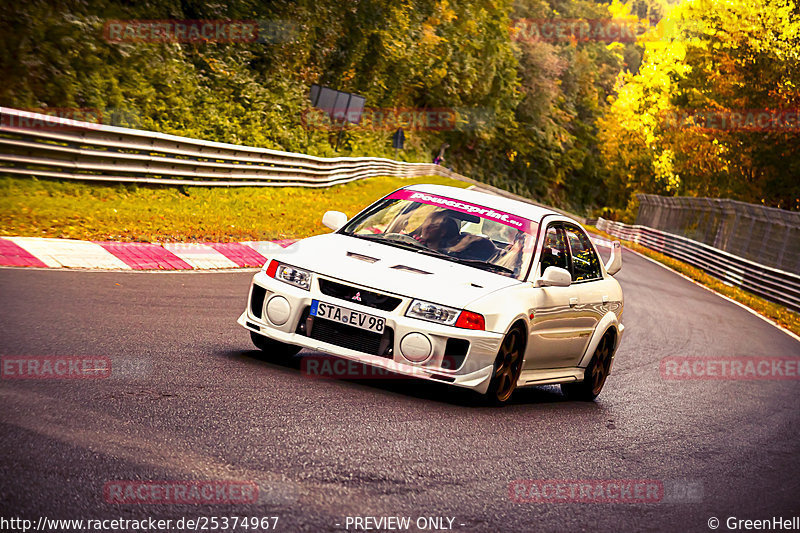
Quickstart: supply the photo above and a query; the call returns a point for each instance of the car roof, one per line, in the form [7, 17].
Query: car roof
[515, 207]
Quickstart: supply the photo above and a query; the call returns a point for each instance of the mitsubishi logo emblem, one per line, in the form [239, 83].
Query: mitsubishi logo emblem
[357, 297]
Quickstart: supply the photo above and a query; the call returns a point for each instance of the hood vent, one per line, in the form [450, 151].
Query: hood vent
[360, 257]
[410, 269]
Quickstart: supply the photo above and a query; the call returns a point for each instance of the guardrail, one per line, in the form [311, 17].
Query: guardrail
[769, 283]
[766, 235]
[34, 144]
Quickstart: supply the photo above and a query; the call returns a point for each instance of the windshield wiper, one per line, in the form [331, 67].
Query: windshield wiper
[435, 253]
[477, 263]
[368, 236]
[378, 237]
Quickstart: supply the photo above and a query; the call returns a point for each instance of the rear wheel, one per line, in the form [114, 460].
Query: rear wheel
[507, 367]
[273, 347]
[595, 374]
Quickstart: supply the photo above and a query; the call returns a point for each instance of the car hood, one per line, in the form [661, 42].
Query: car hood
[394, 270]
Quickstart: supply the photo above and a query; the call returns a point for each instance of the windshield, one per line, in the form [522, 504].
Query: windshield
[451, 229]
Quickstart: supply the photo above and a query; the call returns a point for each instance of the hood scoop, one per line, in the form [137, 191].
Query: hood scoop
[362, 257]
[410, 269]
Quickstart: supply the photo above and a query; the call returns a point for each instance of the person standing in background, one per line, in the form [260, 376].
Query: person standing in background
[439, 159]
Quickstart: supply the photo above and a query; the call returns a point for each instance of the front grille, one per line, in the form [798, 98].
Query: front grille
[257, 300]
[353, 338]
[361, 296]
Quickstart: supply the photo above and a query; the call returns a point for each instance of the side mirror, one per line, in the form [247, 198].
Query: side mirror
[615, 261]
[554, 277]
[334, 219]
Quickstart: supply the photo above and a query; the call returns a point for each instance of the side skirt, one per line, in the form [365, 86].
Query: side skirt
[531, 378]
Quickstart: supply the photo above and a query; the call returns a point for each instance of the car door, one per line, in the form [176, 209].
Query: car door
[591, 289]
[559, 330]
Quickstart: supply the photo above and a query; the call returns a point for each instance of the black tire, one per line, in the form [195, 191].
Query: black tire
[507, 367]
[594, 376]
[273, 347]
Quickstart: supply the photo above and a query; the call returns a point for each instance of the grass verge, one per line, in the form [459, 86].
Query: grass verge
[31, 207]
[776, 312]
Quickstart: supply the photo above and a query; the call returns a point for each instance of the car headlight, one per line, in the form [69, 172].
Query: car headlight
[289, 274]
[445, 315]
[432, 312]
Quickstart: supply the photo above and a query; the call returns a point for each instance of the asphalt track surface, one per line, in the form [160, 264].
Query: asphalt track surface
[203, 404]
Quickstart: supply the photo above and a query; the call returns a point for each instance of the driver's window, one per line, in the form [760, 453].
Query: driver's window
[585, 264]
[554, 252]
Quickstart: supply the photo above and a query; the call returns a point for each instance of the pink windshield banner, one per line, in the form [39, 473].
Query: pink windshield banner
[522, 224]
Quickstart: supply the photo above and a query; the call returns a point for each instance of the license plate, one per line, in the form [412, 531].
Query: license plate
[342, 315]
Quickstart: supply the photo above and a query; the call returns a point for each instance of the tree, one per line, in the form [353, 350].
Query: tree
[688, 122]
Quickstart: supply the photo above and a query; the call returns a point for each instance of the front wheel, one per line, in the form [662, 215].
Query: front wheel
[594, 376]
[273, 347]
[507, 368]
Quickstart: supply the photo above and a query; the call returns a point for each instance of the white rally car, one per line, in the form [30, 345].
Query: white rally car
[450, 285]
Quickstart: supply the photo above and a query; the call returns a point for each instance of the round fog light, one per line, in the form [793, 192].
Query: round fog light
[278, 310]
[415, 347]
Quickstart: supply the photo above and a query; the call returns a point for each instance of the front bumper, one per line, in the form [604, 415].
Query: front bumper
[475, 368]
